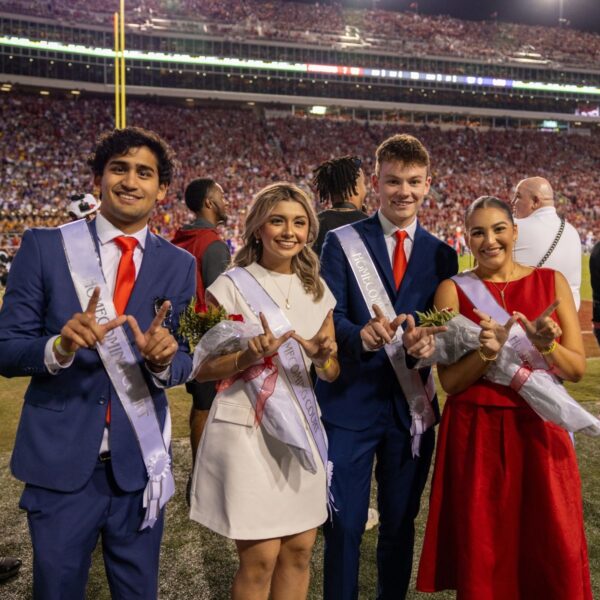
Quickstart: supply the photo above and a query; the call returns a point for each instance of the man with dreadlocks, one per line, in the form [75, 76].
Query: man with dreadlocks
[340, 181]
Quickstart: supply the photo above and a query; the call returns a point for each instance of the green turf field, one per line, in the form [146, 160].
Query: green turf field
[197, 564]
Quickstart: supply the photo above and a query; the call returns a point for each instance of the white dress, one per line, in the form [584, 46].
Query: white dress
[247, 485]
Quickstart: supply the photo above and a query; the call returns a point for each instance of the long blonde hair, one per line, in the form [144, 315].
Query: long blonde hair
[305, 264]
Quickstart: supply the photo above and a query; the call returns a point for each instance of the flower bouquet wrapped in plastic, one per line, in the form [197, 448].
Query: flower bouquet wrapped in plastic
[270, 397]
[540, 388]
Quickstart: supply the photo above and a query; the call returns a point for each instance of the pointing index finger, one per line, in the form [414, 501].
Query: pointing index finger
[483, 316]
[265, 324]
[526, 322]
[378, 312]
[93, 302]
[160, 316]
[550, 309]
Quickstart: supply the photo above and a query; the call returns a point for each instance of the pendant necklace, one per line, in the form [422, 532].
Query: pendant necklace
[501, 291]
[287, 297]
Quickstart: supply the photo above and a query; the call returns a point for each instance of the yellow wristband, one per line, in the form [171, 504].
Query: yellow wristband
[60, 350]
[550, 349]
[325, 366]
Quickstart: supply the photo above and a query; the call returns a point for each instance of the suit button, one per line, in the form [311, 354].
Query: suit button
[102, 400]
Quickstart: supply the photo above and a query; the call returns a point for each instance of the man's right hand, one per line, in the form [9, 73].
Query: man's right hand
[82, 330]
[380, 330]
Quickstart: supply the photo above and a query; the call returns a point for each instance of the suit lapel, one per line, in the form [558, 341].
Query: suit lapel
[375, 241]
[92, 227]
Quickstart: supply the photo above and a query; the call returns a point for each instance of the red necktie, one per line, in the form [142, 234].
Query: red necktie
[125, 273]
[125, 282]
[399, 258]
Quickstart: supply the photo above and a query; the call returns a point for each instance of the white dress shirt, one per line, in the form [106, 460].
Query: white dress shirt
[535, 236]
[389, 233]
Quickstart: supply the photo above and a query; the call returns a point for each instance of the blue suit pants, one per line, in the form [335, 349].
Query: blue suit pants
[65, 528]
[400, 482]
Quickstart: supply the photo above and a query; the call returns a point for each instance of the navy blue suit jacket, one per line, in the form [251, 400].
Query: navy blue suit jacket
[367, 382]
[63, 415]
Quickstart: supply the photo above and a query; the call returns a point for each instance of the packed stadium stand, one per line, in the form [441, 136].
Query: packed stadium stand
[325, 24]
[232, 85]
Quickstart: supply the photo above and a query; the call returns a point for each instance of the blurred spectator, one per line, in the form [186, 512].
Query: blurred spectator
[544, 239]
[82, 206]
[341, 182]
[42, 140]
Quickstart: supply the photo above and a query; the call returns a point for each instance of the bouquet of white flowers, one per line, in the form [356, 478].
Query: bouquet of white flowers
[541, 389]
[270, 397]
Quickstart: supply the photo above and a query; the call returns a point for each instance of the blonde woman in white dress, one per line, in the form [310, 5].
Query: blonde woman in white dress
[247, 485]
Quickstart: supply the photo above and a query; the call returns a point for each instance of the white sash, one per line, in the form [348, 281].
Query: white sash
[289, 353]
[418, 396]
[123, 370]
[480, 297]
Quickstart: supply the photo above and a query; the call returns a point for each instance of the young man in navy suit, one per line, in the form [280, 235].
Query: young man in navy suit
[366, 413]
[76, 448]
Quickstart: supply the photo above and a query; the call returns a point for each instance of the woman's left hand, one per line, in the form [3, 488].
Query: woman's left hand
[543, 330]
[321, 347]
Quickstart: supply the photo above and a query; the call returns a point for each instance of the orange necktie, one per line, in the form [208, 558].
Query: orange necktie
[125, 282]
[399, 258]
[125, 273]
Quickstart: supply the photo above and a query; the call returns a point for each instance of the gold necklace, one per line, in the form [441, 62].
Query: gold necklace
[287, 298]
[501, 291]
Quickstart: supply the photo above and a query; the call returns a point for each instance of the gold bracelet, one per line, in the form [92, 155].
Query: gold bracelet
[326, 365]
[60, 350]
[235, 361]
[484, 358]
[550, 349]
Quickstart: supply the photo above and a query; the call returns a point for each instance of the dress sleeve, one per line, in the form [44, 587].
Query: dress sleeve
[328, 301]
[225, 293]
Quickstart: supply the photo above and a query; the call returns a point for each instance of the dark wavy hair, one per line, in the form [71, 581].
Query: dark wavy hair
[118, 142]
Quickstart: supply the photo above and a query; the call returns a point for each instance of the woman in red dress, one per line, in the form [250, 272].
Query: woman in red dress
[505, 518]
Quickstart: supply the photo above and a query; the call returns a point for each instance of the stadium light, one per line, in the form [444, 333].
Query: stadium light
[471, 81]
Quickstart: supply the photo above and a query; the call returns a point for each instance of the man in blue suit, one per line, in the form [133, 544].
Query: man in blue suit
[365, 411]
[82, 464]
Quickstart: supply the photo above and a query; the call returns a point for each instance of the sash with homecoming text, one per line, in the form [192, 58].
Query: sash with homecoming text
[418, 396]
[290, 354]
[123, 370]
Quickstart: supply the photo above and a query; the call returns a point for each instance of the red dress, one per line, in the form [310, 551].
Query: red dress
[505, 517]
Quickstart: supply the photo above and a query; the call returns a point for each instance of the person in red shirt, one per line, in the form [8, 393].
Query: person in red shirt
[206, 199]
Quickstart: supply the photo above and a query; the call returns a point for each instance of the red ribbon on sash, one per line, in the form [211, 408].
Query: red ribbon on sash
[267, 388]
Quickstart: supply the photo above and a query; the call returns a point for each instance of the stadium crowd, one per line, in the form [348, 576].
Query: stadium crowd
[408, 32]
[43, 140]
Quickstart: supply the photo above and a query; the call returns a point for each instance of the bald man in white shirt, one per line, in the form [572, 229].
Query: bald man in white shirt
[545, 240]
